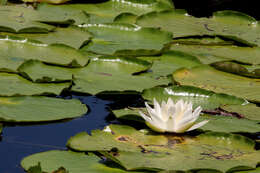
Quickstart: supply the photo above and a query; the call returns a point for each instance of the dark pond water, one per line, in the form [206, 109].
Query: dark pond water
[20, 141]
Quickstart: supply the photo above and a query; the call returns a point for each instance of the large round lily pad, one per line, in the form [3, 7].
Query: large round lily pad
[135, 149]
[36, 109]
[14, 85]
[221, 82]
[208, 100]
[73, 162]
[125, 39]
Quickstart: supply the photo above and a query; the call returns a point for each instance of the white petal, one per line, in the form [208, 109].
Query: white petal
[195, 126]
[197, 111]
[149, 109]
[145, 117]
[157, 107]
[170, 103]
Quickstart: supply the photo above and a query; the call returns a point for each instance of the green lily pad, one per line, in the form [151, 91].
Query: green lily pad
[10, 64]
[170, 61]
[109, 74]
[12, 48]
[257, 170]
[230, 24]
[125, 39]
[243, 70]
[14, 85]
[217, 123]
[207, 77]
[208, 100]
[73, 162]
[61, 14]
[36, 71]
[211, 54]
[135, 149]
[71, 36]
[21, 19]
[212, 41]
[250, 111]
[105, 12]
[39, 108]
[126, 18]
[1, 127]
[39, 72]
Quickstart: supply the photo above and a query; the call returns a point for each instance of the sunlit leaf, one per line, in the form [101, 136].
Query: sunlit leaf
[125, 39]
[207, 77]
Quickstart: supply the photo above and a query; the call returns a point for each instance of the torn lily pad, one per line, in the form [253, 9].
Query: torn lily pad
[207, 77]
[39, 109]
[135, 149]
[125, 39]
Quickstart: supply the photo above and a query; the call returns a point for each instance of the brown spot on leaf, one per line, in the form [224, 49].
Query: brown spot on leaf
[123, 138]
[104, 74]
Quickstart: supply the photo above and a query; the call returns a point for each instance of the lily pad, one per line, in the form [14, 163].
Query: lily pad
[10, 64]
[73, 162]
[230, 24]
[211, 54]
[37, 71]
[21, 19]
[106, 74]
[212, 41]
[243, 70]
[1, 127]
[217, 123]
[125, 39]
[126, 18]
[12, 47]
[39, 108]
[14, 85]
[170, 61]
[105, 12]
[250, 111]
[208, 100]
[207, 77]
[135, 149]
[71, 36]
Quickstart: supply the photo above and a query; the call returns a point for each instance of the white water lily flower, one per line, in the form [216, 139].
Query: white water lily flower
[170, 117]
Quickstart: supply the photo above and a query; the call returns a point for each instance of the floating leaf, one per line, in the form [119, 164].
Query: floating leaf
[36, 109]
[48, 1]
[208, 100]
[21, 19]
[243, 70]
[1, 127]
[207, 77]
[10, 64]
[211, 54]
[125, 39]
[114, 74]
[212, 41]
[230, 24]
[13, 48]
[13, 85]
[250, 111]
[106, 12]
[71, 36]
[170, 61]
[73, 162]
[126, 18]
[217, 123]
[36, 71]
[135, 149]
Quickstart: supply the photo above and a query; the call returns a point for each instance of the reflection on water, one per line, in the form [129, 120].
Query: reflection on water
[20, 141]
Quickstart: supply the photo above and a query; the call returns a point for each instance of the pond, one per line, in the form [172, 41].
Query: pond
[20, 141]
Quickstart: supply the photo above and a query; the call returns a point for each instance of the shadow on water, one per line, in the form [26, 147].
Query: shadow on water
[20, 141]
